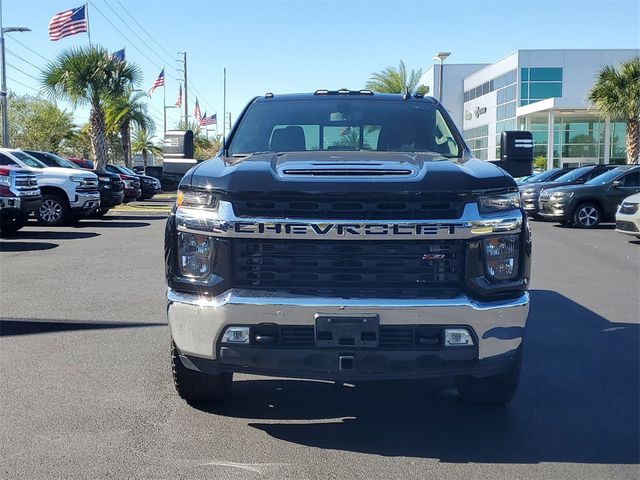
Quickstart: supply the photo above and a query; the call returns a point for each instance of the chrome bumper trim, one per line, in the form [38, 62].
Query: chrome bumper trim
[223, 222]
[254, 297]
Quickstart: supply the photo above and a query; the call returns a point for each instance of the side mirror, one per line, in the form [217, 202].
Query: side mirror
[516, 153]
[616, 183]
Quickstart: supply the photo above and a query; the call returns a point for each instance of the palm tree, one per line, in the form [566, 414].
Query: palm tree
[616, 94]
[124, 111]
[142, 141]
[88, 76]
[392, 80]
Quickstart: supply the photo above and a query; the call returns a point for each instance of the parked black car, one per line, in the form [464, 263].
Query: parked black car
[149, 185]
[546, 176]
[110, 185]
[530, 192]
[595, 201]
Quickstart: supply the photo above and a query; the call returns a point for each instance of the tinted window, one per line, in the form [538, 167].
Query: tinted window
[28, 159]
[4, 160]
[605, 177]
[631, 180]
[344, 124]
[573, 174]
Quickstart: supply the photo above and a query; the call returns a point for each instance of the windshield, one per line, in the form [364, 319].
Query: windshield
[343, 124]
[28, 160]
[127, 170]
[540, 177]
[59, 161]
[573, 174]
[605, 177]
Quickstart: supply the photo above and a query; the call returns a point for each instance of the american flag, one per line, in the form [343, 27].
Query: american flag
[197, 114]
[158, 83]
[68, 23]
[206, 121]
[179, 100]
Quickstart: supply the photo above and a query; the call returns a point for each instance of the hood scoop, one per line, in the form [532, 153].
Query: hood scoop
[343, 169]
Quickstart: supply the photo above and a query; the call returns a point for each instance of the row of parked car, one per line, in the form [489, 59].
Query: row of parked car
[59, 190]
[585, 196]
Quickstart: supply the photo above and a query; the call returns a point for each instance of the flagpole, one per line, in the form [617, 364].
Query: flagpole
[86, 11]
[224, 109]
[164, 105]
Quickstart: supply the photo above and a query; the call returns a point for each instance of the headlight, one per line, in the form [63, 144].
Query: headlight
[560, 196]
[628, 208]
[501, 257]
[194, 255]
[497, 203]
[187, 198]
[105, 179]
[5, 181]
[129, 183]
[82, 180]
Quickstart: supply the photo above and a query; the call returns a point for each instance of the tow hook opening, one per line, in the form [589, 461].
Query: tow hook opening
[345, 362]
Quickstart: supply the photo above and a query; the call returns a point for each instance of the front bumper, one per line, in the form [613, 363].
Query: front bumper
[554, 210]
[15, 206]
[86, 201]
[628, 224]
[197, 323]
[109, 198]
[131, 194]
[529, 202]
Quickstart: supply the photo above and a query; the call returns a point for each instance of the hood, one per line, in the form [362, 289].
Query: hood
[341, 172]
[581, 188]
[539, 186]
[67, 172]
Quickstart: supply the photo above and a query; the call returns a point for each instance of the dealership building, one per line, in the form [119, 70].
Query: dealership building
[544, 91]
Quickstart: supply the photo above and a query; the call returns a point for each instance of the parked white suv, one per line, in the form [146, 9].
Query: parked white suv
[628, 216]
[66, 193]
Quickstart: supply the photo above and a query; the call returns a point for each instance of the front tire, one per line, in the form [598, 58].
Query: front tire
[54, 211]
[10, 227]
[587, 215]
[493, 390]
[99, 213]
[194, 386]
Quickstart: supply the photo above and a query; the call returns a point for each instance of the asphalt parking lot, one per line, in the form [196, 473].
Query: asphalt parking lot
[87, 391]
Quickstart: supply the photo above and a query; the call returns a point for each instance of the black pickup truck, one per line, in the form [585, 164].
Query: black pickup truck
[347, 236]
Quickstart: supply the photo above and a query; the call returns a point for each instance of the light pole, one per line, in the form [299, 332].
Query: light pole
[3, 87]
[441, 56]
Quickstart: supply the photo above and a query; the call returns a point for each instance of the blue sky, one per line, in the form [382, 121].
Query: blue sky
[298, 45]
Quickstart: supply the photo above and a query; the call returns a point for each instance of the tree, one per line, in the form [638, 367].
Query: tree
[616, 94]
[89, 76]
[392, 80]
[78, 144]
[124, 111]
[38, 124]
[142, 142]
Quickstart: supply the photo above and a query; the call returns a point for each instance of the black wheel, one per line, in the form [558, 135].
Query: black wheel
[194, 386]
[495, 389]
[99, 213]
[53, 211]
[587, 215]
[8, 227]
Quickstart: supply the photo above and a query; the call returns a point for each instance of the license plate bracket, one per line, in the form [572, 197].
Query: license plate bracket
[356, 331]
